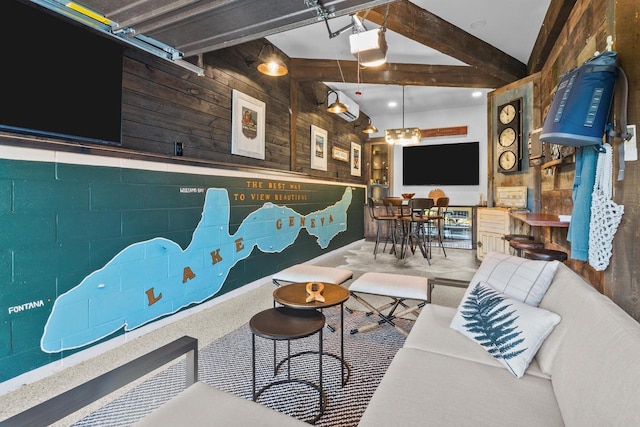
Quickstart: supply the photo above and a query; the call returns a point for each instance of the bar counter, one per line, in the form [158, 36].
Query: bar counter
[539, 219]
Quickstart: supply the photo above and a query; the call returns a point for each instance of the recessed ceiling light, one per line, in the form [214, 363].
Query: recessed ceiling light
[476, 94]
[478, 24]
[392, 104]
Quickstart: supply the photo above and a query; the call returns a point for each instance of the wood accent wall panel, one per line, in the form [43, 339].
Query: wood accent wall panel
[163, 103]
[622, 279]
[589, 23]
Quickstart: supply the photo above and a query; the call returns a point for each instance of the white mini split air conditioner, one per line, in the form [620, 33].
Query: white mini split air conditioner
[353, 109]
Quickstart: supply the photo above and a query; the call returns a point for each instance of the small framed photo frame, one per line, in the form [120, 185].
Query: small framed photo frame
[318, 148]
[247, 128]
[340, 154]
[356, 159]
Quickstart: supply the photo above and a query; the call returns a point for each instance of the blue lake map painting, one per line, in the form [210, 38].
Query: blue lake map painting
[155, 278]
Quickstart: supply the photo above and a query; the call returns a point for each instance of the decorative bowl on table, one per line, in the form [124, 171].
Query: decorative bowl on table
[408, 195]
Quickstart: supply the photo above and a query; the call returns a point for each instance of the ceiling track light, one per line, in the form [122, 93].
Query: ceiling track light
[336, 107]
[272, 65]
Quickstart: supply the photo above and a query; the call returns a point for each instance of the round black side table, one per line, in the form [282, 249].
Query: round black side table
[286, 324]
[294, 295]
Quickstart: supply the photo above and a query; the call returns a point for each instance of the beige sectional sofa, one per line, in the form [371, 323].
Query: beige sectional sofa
[586, 373]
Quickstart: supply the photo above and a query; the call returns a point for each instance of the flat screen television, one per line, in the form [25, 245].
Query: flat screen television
[441, 164]
[58, 79]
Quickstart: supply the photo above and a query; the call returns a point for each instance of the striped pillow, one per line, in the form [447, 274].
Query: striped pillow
[522, 279]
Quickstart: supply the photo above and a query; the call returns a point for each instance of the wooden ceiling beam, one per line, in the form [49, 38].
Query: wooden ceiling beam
[413, 22]
[554, 20]
[326, 70]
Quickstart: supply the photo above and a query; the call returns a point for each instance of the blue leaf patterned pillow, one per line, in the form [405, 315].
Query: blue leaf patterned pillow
[509, 330]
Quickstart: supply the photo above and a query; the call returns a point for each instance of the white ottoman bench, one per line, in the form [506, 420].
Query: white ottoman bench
[312, 273]
[399, 288]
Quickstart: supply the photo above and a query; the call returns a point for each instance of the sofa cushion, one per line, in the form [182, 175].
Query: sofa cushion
[566, 296]
[596, 371]
[203, 405]
[424, 388]
[511, 331]
[431, 332]
[519, 278]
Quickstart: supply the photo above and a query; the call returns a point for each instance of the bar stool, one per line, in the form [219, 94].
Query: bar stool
[510, 237]
[381, 219]
[545, 254]
[397, 207]
[520, 245]
[438, 218]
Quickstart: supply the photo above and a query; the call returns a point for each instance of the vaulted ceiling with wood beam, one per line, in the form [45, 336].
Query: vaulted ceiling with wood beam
[442, 50]
[432, 43]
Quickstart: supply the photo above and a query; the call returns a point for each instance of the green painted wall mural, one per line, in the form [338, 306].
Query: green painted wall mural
[89, 252]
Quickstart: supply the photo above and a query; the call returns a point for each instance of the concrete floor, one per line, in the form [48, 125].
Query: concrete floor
[228, 313]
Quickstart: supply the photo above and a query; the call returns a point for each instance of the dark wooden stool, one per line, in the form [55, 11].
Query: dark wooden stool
[510, 237]
[545, 255]
[520, 245]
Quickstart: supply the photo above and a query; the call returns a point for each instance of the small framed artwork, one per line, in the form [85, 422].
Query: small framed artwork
[356, 159]
[247, 128]
[318, 148]
[340, 154]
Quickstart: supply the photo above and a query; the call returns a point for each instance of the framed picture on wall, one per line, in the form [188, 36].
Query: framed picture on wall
[318, 148]
[356, 159]
[247, 129]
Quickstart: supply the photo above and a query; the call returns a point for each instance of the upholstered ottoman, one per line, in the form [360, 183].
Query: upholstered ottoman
[311, 273]
[401, 289]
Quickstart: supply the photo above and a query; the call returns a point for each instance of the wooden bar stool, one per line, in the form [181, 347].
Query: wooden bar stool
[520, 245]
[545, 254]
[510, 237]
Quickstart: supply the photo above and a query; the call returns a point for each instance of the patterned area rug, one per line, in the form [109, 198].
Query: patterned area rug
[226, 364]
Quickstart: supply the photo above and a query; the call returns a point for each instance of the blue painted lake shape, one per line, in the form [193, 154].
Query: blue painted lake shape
[156, 278]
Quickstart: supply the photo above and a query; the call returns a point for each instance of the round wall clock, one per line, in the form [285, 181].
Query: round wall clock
[507, 161]
[509, 136]
[507, 114]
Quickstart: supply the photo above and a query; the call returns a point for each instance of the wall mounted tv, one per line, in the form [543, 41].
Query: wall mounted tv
[58, 79]
[442, 164]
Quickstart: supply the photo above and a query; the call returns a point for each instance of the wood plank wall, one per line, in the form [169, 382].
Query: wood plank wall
[584, 33]
[586, 30]
[164, 104]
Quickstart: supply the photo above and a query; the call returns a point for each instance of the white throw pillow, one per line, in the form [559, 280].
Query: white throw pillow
[523, 279]
[511, 331]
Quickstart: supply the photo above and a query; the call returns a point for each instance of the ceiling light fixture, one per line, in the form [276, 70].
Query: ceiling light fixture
[272, 65]
[370, 128]
[336, 107]
[403, 136]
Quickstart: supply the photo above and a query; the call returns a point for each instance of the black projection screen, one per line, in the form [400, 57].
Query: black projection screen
[441, 164]
[58, 79]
